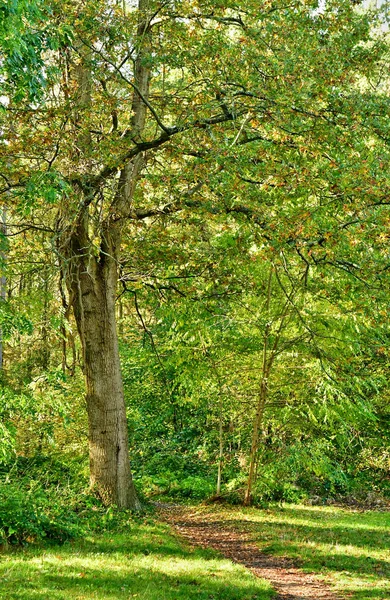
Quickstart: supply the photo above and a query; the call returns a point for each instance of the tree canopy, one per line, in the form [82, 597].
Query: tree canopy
[195, 237]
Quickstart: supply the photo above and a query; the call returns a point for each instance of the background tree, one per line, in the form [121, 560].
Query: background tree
[201, 112]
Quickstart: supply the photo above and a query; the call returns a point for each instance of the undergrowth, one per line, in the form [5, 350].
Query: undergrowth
[45, 499]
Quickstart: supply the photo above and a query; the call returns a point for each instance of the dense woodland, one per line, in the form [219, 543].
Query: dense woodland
[194, 255]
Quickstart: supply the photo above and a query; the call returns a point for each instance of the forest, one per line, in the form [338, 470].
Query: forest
[194, 298]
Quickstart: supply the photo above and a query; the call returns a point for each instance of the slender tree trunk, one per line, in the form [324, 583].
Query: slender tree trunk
[265, 368]
[255, 441]
[45, 322]
[3, 280]
[220, 457]
[269, 354]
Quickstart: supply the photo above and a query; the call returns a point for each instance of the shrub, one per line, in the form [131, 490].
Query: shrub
[197, 488]
[29, 516]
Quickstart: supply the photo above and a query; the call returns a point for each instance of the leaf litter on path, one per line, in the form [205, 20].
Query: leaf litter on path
[208, 531]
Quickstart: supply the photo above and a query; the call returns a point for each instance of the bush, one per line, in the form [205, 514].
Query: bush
[69, 473]
[46, 498]
[30, 516]
[177, 486]
[197, 488]
[283, 492]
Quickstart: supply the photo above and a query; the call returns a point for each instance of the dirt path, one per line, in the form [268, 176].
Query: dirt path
[208, 530]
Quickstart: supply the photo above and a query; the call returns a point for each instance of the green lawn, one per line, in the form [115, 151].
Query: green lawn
[144, 561]
[351, 549]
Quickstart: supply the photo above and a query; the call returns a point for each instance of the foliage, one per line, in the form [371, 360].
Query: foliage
[27, 34]
[30, 507]
[195, 354]
[33, 516]
[47, 499]
[252, 254]
[12, 321]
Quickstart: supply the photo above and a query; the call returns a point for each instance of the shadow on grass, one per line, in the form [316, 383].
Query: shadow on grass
[302, 543]
[144, 584]
[377, 594]
[326, 532]
[146, 563]
[129, 545]
[125, 545]
[344, 536]
[318, 559]
[377, 520]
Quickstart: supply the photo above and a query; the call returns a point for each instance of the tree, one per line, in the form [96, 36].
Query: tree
[131, 89]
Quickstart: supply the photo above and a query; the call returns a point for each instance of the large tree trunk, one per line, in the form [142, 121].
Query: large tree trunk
[92, 283]
[92, 280]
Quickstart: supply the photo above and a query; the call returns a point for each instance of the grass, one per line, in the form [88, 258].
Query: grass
[143, 562]
[351, 549]
[141, 559]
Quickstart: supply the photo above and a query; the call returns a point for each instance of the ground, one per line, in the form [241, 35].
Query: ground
[302, 552]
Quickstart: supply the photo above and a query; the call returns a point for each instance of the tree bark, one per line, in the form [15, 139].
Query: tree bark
[92, 283]
[3, 279]
[220, 456]
[265, 369]
[92, 279]
[255, 442]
